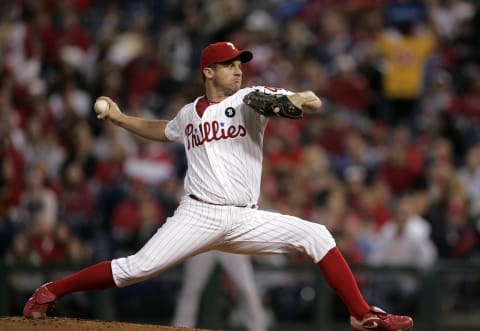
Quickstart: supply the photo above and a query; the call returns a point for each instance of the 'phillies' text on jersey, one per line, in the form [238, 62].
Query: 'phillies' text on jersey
[209, 131]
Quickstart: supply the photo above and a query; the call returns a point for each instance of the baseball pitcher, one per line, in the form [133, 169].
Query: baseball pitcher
[222, 132]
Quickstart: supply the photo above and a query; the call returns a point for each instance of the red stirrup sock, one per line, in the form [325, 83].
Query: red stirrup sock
[96, 277]
[340, 278]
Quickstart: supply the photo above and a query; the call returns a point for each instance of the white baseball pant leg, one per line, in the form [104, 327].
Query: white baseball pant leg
[194, 228]
[264, 232]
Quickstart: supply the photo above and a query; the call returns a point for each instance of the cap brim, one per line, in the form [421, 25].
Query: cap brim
[244, 56]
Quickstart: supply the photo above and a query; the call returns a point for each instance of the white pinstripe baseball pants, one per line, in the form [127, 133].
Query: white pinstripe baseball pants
[197, 227]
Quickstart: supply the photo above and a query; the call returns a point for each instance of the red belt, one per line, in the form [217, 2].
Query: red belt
[194, 197]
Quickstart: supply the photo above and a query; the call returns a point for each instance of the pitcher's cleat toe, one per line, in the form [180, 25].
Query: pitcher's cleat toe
[378, 320]
[38, 304]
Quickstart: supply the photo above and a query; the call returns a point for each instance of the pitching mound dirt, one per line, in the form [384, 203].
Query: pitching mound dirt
[71, 324]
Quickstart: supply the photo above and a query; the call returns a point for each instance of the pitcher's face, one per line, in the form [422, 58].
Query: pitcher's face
[228, 76]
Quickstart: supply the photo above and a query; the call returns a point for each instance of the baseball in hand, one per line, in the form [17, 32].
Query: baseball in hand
[101, 106]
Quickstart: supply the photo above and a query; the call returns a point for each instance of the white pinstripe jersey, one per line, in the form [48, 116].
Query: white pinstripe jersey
[224, 148]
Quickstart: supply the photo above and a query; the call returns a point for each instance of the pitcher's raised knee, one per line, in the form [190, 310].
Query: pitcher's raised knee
[317, 242]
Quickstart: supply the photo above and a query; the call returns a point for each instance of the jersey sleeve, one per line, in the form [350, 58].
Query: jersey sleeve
[173, 129]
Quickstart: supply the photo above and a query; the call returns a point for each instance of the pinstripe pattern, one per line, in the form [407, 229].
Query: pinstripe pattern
[196, 227]
[223, 171]
[265, 232]
[192, 229]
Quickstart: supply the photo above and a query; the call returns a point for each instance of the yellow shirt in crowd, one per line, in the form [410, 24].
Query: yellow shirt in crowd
[405, 58]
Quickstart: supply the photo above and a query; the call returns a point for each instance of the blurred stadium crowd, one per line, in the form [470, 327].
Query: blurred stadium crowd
[391, 164]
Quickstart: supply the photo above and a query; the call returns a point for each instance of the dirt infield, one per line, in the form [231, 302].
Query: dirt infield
[71, 324]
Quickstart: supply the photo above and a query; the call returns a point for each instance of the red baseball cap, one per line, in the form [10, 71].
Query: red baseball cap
[222, 52]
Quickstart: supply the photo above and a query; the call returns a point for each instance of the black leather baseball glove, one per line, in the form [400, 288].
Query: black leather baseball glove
[272, 105]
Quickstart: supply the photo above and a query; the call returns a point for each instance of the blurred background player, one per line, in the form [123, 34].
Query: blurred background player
[196, 273]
